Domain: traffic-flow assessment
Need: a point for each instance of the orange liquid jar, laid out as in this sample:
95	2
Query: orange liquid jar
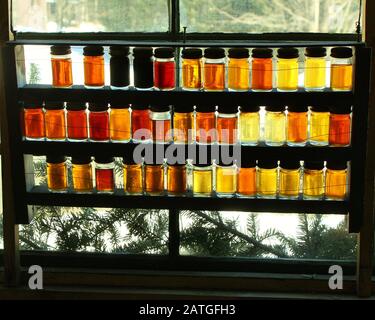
340	126
297	125
33	120
227	124
192	66
93	66
61	62
341	69
246	179
262	69
214	69
55	121
205	124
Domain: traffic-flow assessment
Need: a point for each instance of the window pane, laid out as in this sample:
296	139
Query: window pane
257	16
90	15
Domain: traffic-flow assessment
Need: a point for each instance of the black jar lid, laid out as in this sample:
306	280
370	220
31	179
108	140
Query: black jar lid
143	52
249	163
297	108
315	52
343	109
33	104
75	106
60	50
93	51
238	53
320	108
54	105
55	158
164	53
98	107
128	158
206	108
250	107
314	165
104	159
81	160
119	51
342	52
160	108
140	106
267	164
191	53
201	161
275	107
337	165
290	164
119	106
183	108
263	53
287	53
228	108
214	53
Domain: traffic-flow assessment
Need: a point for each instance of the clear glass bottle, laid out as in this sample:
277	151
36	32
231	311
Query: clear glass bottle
119	123
120	67
275	125
82	174
105	174
161	119
313	180
76	121
249	124
93	67
315	68
55	121
227	124
61	63
57	173
262	69
202	182
214	69
205	124
340	125
297	121
238	69
183	124
246	179
319	126
336	180
164	69
34	124
287	69
192	66
226	180
267	177
290	178
341	69
143	68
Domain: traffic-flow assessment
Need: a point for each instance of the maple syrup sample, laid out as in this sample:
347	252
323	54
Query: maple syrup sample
246	179
226	179
336	180
238	69
249	124
55	120
214	69
287	69
141	123
76	121
154	177
34	120
319	125
160	116
192	66
267	173
183	123
297	120
104	174
342	69
275	125
313	180
57	175
164	69
119	123
99	122
226	124
203	183
133	175
262	69
61	63
93	62
176	179
315	68
290	177
143	68
82	174
340	126
120	67
205	124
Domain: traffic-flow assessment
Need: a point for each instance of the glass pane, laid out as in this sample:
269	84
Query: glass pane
257	16
90	15
266	235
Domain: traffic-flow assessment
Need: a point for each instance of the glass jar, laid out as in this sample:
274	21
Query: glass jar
183	124
176	179
246	179
238	69
226	180
226	124
34	120
249	124
275	124
214	69
132	175
192	65
154	177
341	69
203	183
160	116
319	126
140	123
61	63
119	123
315	68
82	174
105	174
120	67
313	180
76	121
205	124
98	122
340	126
297	120
164	69
55	121
336	180
93	67
267	179
143	68
287	69
57	175
290	178
262	69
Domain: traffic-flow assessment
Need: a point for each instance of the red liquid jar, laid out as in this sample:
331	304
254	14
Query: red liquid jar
76	118
104	174
164	69
141	123
33	120
340	126
98	123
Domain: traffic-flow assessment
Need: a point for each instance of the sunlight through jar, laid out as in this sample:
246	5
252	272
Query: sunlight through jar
315	68
140	123
214	69
34	124
313	180
287	69
341	69
319	126
340	126
262	69
205	124
93	62
238	69
176	179
164	69
275	125
82	174
119	123
267	173
297	121
98	122
76	121
249	124
192	66
61	63
55	121
226	124
105	174
183	123
246	179
290	177
154	176
132	175
336	180
226	179
160	116
203	183
57	174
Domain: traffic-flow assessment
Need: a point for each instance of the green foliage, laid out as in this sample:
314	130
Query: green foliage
34	77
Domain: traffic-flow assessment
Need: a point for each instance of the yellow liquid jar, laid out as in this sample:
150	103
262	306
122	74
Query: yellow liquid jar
238	69
336	180
202	182
290	177
313	180
267	173
192	66
315	68
287	69
214	69
249	125
341	69
226	180
275	126
319	126
119	124
82	175
183	124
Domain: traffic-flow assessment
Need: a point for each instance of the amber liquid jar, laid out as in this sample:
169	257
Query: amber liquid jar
214	69
227	124
55	121
336	180
315	68
290	178
183	124
141	123
120	67
98	122
61	63
133	176
143	68
313	180
57	176
192	66
93	62
319	126
76	121
287	69
262	69
34	121
205	124
160	116
238	69
340	126
275	126
82	174
119	123
297	120
342	69
176	179
267	178
154	177
164	69
246	179
104	174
